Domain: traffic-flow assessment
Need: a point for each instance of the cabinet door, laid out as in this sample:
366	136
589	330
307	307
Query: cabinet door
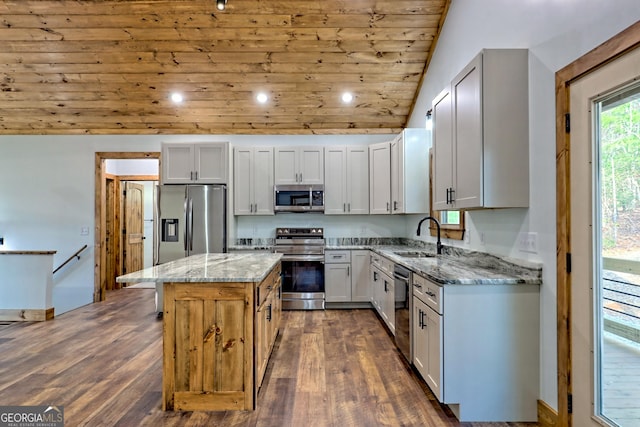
260	333
442	150
434	348
286	166
211	161
311	161
427	346
262	181
360	287
335	185
376	287
277	306
389	303
420	342
467	125
337	282
199	369
380	178
397	175
357	180
242	181
177	163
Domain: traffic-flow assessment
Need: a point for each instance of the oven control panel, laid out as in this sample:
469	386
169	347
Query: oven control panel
317	232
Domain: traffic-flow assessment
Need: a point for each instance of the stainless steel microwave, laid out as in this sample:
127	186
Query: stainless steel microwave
299	198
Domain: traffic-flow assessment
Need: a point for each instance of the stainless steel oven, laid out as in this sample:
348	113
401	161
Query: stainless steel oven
302	252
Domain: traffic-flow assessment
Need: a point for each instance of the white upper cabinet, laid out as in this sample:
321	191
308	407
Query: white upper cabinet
299	165
481	134
253	180
201	163
346	180
410	172
380	178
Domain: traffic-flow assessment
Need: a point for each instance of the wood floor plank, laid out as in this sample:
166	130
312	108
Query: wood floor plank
103	363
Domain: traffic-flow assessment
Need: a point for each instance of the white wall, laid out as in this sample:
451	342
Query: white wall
556	32
47	196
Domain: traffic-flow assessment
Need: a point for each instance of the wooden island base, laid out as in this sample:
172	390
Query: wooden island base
217	340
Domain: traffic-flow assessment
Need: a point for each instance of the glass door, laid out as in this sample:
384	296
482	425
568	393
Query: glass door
605	245
617	293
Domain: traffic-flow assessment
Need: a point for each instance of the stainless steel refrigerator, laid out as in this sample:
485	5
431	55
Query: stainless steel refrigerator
192	219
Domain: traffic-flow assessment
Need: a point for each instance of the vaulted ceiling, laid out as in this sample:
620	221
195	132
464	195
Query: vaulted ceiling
109	67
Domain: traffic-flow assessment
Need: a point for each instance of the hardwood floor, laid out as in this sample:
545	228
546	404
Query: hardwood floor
102	362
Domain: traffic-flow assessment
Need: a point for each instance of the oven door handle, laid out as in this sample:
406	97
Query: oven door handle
303	258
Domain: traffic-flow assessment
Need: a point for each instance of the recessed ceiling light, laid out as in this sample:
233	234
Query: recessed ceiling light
176	97
262	98
220	4
347	97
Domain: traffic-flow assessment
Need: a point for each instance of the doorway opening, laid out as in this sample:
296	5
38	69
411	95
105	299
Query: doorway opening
110	213
581	263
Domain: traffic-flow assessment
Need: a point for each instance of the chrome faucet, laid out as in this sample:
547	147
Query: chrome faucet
439	243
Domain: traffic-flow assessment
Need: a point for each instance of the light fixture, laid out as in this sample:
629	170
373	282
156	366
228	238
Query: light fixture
262	98
176	97
347	97
221	4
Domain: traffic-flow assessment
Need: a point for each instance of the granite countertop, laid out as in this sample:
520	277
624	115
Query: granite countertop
469	268
245	267
454	266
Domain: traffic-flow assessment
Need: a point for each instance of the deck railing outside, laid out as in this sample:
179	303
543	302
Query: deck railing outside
621	297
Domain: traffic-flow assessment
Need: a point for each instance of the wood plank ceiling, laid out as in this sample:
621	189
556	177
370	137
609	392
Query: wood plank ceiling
109	67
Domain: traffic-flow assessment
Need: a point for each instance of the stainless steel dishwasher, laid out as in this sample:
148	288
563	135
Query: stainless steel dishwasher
403	309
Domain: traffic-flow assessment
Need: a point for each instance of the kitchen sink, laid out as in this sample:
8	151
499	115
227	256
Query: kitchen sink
414	254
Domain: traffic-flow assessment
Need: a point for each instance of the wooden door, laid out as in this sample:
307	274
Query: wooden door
111	233
132	234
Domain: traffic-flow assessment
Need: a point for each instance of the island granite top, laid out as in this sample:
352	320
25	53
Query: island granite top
203	268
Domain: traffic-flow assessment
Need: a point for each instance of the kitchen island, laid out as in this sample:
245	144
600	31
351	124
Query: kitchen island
220	321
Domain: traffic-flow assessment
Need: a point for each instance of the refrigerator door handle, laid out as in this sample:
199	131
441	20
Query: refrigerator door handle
186	224
156	226
190	224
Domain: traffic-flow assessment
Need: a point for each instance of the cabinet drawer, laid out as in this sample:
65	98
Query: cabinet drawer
387	265
428	292
263	289
331	257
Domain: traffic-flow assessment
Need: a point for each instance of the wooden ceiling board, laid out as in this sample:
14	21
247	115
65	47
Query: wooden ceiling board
109	67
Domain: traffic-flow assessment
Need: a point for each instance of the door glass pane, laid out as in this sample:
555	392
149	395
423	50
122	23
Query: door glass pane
617	293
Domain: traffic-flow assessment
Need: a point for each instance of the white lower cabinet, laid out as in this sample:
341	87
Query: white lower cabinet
383	290
360	289
477	348
346	275
427	345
